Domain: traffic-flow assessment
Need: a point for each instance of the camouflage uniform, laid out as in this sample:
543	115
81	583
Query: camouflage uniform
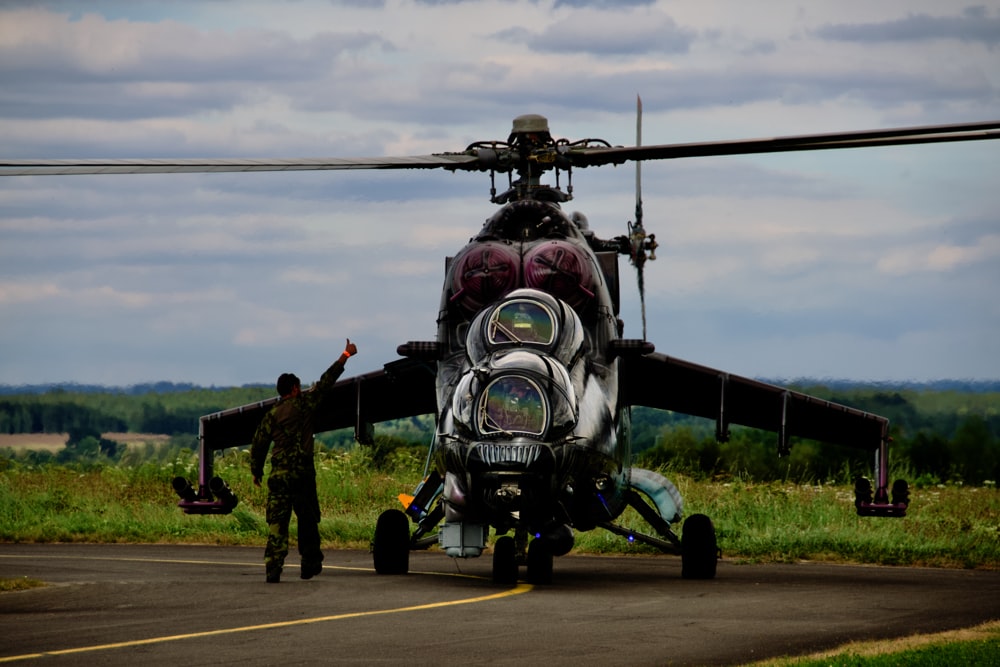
292	484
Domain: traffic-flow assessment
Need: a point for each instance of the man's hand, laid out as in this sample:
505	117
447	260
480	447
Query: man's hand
350	349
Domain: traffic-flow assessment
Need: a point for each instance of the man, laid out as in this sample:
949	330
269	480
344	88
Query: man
292	483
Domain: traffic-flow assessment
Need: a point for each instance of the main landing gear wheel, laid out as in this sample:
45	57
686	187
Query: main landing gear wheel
391	546
539	563
504	561
862	491
699	550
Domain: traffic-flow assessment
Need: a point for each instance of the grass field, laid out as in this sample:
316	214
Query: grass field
947	525
968	647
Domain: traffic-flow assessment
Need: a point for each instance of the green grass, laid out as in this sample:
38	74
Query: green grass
20	584
947	526
969	647
78	503
967	654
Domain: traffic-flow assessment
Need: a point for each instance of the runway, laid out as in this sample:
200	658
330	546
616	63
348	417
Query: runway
201	605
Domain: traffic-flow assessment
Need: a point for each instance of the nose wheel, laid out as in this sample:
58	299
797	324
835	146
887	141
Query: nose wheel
391	545
507	558
539	563
505	561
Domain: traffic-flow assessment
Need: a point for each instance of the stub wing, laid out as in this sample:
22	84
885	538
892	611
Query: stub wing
658	381
402	389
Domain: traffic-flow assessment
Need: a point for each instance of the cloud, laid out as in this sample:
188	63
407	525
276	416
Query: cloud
941	258
603	4
974	24
92	67
605	33
15	292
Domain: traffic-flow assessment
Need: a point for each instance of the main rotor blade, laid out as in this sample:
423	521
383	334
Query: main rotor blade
505	159
210	165
588	157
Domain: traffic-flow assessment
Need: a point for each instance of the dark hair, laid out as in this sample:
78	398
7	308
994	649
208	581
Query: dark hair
287	382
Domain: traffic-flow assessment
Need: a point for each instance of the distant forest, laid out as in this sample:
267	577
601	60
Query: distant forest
942	432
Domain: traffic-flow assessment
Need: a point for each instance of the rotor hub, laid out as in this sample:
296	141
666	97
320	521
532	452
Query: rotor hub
530	129
530	123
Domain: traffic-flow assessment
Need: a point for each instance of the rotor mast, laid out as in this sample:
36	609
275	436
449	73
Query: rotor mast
535	152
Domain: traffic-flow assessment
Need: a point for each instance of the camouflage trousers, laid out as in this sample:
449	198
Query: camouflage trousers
288	493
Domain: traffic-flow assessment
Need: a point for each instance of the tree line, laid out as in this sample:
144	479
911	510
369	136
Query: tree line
168	413
938	435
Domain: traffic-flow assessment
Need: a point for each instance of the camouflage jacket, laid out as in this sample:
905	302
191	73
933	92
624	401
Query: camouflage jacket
289	424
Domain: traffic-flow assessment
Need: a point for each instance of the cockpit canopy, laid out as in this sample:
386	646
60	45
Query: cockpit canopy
516	392
512	404
523	322
527	318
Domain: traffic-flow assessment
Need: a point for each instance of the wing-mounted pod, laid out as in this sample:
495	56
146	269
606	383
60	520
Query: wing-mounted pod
216	431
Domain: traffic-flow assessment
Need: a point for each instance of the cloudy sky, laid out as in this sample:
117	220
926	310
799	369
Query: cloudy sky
873	264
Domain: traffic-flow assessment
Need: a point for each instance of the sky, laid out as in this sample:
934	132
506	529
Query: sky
876	265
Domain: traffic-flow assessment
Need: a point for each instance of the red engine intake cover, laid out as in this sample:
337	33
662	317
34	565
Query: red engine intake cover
484	274
562	270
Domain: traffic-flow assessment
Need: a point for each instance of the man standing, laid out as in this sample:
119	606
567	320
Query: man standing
292	483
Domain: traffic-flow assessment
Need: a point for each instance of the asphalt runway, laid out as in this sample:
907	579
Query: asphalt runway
202	605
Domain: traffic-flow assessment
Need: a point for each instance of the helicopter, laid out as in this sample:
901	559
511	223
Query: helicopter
529	378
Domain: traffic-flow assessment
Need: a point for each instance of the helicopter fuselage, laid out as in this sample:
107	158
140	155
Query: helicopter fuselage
532	433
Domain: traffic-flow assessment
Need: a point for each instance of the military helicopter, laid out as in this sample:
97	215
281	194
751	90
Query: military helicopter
529	378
